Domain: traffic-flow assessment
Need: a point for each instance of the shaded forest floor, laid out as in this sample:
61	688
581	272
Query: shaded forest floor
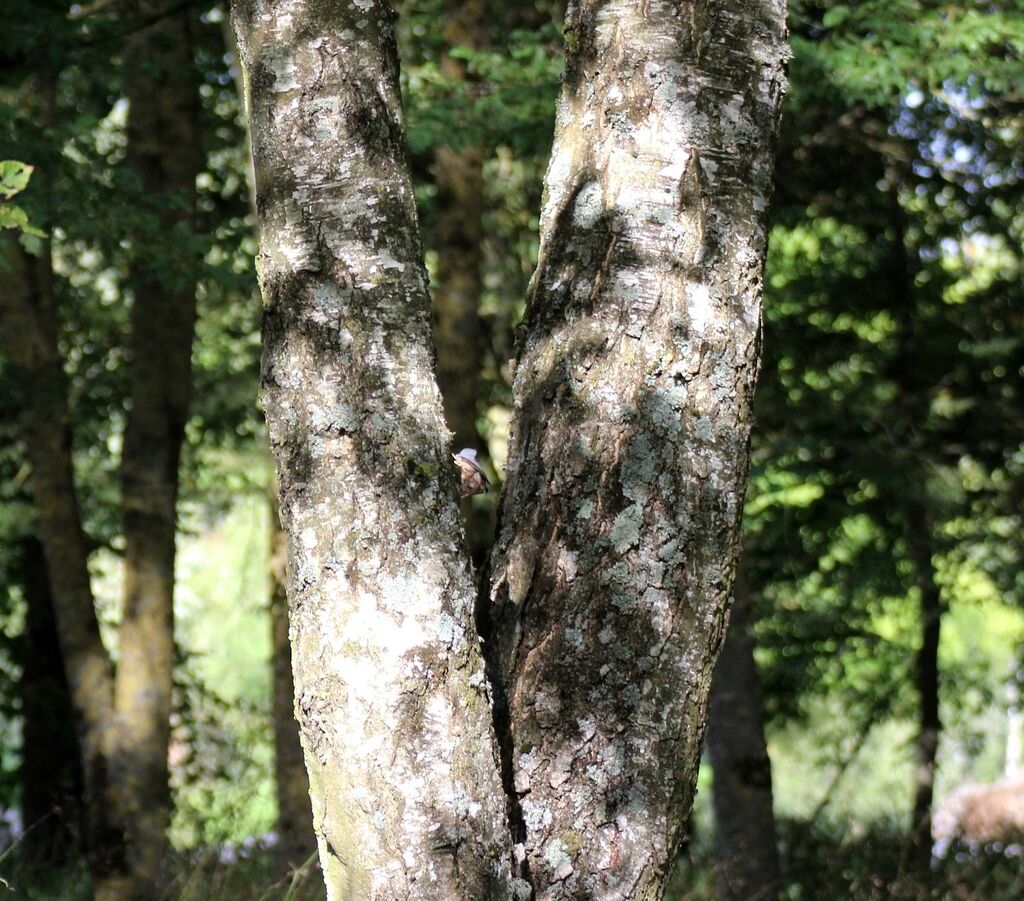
870	865
864	863
200	876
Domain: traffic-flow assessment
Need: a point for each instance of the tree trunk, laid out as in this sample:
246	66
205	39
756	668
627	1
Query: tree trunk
911	494
458	328
294	815
613	567
51	768
458	173
29	324
746	855
926	677
164	152
389	681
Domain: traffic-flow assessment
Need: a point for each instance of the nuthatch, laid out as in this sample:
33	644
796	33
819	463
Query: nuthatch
472	479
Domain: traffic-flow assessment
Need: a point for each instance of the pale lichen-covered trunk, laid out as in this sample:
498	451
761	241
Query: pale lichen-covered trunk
163	152
390	691
746	852
627	469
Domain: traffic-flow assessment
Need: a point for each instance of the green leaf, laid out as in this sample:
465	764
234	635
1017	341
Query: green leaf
14	177
12	216
31	241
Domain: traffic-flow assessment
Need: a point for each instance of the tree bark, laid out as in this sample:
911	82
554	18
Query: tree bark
294	814
746	852
29	325
391	696
613	567
164	152
51	768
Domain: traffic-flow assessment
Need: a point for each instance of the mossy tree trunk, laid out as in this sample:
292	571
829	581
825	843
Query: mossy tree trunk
389	681
627	469
124	719
746	851
28	320
163	151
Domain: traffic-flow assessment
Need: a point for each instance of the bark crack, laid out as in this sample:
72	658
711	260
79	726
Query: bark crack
502	723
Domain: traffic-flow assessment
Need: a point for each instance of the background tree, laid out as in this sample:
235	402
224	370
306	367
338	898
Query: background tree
893	163
746	850
164	152
28	307
458	174
294	825
124	717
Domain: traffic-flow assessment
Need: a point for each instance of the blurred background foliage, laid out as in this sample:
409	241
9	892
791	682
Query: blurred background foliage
887	461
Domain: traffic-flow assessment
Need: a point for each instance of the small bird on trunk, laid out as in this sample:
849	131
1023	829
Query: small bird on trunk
472	479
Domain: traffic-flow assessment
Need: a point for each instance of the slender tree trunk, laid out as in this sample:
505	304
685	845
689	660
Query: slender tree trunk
124	725
746	855
1013	757
29	325
458	173
294	814
912	496
391	697
458	328
163	151
613	568
51	767
926	677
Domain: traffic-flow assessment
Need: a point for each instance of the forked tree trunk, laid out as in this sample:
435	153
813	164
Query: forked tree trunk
628	463
163	151
391	699
628	467
746	853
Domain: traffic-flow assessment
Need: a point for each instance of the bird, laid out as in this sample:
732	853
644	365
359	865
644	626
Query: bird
472	479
